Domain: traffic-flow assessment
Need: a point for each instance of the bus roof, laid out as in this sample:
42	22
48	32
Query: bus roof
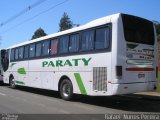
94	23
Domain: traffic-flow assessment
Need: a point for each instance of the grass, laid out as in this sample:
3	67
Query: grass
158	75
158	88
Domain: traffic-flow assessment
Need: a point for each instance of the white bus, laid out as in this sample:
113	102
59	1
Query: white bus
113	55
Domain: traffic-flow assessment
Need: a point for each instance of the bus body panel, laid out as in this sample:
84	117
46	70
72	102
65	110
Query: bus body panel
35	74
132	88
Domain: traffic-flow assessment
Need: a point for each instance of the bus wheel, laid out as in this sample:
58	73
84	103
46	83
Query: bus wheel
12	83
66	89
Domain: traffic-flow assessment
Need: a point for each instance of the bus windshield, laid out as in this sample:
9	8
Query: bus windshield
138	30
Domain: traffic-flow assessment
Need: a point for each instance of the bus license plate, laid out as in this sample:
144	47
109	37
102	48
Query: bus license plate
141	75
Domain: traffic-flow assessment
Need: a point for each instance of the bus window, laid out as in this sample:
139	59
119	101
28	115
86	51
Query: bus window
138	30
74	43
54	46
87	42
16	54
32	51
12	54
102	38
63	44
20	52
26	52
45	48
38	49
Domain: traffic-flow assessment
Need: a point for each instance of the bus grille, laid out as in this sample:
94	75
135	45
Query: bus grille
100	78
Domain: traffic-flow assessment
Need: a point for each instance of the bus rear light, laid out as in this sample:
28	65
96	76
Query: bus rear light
109	82
119	72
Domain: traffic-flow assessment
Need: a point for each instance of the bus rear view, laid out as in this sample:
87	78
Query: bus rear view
136	63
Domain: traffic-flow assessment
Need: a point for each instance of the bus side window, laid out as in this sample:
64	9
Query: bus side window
74	43
45	48
87	42
38	49
102	38
26	52
63	44
12	54
32	50
16	54
20	52
54	46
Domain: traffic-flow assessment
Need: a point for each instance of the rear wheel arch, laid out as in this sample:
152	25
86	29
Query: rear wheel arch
65	88
12	82
61	79
11	77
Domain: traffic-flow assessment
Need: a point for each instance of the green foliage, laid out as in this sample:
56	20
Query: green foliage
158	37
158	87
157	25
65	22
38	33
158	29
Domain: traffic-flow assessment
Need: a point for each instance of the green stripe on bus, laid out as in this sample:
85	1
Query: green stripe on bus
20	82
80	83
21	71
12	64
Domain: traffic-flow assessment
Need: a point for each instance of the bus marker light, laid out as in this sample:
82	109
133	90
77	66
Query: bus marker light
109	82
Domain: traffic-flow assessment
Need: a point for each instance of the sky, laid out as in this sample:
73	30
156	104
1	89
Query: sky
81	12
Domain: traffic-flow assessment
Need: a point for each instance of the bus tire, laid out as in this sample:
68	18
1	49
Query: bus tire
66	90
12	82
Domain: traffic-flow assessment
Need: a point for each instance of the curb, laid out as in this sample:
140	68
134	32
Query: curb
149	96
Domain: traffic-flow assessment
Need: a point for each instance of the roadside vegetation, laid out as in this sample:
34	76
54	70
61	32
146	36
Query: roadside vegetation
157	25
65	24
158	88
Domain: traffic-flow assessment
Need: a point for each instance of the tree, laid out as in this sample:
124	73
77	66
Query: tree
157	25
158	37
38	33
65	22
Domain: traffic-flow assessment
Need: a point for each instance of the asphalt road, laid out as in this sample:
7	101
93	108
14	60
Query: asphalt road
36	101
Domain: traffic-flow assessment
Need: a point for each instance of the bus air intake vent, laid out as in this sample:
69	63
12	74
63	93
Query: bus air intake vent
100	79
